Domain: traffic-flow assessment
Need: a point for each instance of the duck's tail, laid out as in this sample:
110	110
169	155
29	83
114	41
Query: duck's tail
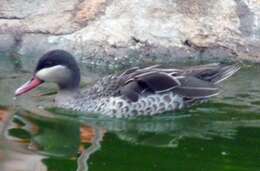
224	73
215	73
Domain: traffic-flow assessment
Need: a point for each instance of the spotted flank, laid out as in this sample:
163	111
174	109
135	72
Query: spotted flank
151	105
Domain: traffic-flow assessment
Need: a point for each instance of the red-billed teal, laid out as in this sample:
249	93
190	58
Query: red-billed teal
136	91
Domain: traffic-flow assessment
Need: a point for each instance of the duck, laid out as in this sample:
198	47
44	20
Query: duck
136	91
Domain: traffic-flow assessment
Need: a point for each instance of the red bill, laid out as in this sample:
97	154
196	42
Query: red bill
28	86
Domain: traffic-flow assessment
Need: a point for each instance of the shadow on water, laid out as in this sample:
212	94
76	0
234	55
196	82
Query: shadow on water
223	134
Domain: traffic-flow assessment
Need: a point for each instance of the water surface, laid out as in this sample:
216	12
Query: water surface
222	134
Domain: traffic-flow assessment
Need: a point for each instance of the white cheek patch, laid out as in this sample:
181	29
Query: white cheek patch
58	73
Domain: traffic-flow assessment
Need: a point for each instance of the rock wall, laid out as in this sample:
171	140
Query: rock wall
127	32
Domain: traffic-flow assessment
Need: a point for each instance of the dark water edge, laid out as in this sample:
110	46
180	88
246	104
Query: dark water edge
222	134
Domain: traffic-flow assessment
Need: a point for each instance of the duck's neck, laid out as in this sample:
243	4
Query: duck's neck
66	95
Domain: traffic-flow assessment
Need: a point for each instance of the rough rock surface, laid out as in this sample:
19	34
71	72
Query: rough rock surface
123	32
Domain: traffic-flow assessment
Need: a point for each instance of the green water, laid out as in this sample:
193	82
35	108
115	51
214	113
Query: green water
223	134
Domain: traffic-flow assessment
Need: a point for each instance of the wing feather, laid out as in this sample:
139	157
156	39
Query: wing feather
148	82
194	83
192	87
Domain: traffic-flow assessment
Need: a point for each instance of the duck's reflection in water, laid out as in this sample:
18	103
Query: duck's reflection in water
35	142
